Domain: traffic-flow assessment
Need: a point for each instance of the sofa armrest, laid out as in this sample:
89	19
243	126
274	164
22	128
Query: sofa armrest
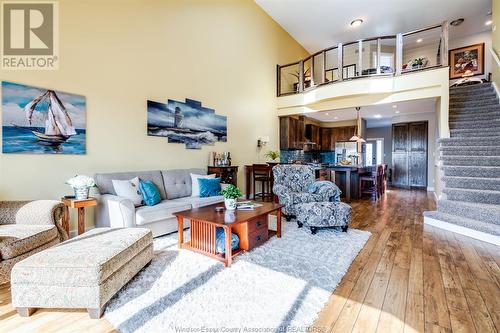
8	210
42	212
115	212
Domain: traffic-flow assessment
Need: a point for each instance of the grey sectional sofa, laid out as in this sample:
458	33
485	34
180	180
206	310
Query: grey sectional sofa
175	191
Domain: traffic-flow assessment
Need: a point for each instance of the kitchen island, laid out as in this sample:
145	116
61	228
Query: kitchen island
347	178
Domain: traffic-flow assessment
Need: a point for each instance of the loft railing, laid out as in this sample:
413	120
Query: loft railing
391	55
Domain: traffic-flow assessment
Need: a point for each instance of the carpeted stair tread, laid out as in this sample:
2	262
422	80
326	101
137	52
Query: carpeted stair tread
488	94
471	210
474	124
475	117
471	160
466	150
472	171
473	133
471	88
474	141
470	195
475	109
480	102
477	183
485	227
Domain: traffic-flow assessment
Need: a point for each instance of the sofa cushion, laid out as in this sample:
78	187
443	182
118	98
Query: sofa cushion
197	202
86	260
161	211
128	189
177	183
105	184
16	239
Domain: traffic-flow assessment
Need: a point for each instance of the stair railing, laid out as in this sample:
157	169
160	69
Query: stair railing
391	55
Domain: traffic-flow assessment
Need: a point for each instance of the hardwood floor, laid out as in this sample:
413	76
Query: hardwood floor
408	278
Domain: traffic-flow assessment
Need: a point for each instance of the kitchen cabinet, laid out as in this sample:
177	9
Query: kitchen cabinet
327	139
313	135
291	133
330	136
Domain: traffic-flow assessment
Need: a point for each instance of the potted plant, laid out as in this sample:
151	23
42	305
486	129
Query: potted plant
273	155
81	185
231	193
417	63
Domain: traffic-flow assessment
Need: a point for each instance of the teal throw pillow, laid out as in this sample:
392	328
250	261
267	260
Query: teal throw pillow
209	187
150	193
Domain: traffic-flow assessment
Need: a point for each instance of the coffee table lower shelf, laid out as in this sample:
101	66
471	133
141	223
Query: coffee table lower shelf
203	234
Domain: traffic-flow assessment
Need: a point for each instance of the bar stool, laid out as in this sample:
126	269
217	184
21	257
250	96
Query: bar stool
373	180
262	174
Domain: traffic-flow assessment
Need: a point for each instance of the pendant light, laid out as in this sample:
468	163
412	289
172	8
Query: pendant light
357	137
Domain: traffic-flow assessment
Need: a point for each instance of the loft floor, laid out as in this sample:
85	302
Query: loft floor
408	278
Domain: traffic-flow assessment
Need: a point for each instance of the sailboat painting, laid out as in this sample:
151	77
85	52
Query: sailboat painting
42	121
186	122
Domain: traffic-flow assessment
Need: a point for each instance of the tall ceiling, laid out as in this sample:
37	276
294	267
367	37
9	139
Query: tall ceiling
318	24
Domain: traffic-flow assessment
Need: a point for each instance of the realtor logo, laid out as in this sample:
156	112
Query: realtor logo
30	35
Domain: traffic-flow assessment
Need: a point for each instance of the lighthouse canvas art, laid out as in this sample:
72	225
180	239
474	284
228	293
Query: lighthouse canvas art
42	121
186	122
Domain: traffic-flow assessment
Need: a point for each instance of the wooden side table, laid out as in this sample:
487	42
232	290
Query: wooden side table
80	205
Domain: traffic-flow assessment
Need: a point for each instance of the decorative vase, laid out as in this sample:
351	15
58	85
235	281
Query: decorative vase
81	193
230	204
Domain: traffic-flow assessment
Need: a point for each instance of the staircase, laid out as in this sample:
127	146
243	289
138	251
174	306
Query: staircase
471	165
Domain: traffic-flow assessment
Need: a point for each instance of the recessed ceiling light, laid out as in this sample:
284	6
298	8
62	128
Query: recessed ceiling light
335	117
489	22
398	111
326	114
378	116
356	23
457	22
419	40
394	106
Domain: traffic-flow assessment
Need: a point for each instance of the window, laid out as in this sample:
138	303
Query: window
386	59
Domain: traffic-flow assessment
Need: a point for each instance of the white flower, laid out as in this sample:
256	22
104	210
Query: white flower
81	181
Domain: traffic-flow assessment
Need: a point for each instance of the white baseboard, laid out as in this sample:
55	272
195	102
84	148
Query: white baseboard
496	89
482	236
430	189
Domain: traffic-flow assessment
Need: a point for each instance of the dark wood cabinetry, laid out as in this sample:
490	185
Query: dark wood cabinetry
409	154
313	135
291	133
294	133
330	136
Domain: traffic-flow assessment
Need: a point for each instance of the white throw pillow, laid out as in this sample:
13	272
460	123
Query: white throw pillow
129	189
195	187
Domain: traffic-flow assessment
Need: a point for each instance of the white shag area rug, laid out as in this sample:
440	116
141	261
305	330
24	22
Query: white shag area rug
279	286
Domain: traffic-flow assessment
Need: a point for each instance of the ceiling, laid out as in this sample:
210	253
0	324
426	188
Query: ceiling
386	111
319	24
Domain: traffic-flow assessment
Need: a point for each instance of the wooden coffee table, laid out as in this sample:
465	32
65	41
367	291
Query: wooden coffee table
251	226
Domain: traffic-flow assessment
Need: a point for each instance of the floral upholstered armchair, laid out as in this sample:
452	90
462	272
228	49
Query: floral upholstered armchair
295	184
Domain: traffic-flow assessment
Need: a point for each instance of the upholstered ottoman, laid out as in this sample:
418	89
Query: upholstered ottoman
83	272
324	214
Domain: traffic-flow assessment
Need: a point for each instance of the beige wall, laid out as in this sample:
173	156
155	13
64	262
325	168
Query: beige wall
120	53
495	40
